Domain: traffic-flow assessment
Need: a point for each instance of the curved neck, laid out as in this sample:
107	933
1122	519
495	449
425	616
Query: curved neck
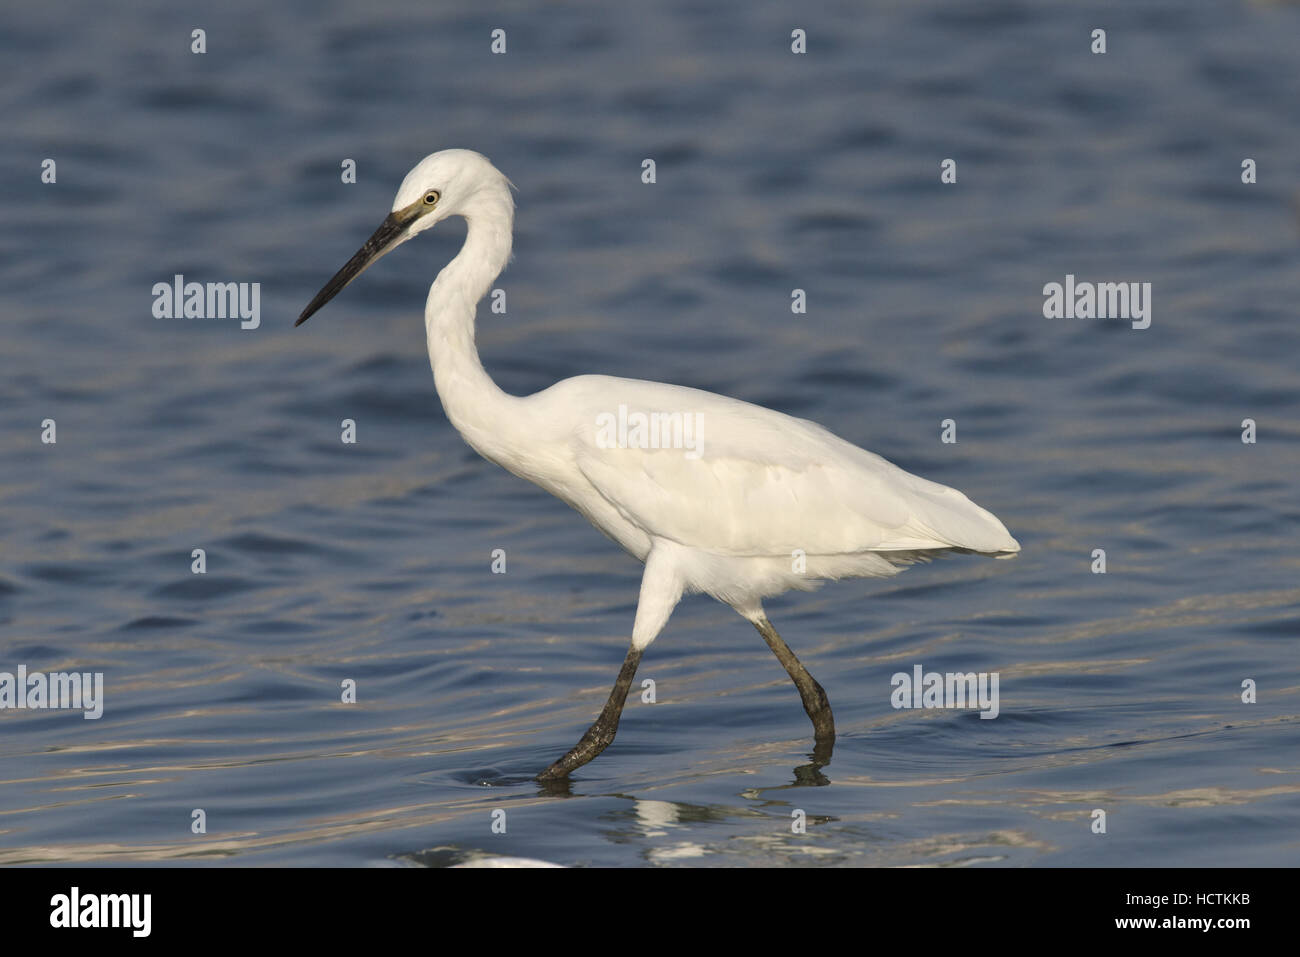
478	409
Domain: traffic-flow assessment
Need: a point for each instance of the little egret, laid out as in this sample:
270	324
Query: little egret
712	494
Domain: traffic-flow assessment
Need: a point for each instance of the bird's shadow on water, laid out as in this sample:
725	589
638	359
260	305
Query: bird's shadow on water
810	775
805	775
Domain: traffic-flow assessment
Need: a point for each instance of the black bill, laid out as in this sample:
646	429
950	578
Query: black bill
390	231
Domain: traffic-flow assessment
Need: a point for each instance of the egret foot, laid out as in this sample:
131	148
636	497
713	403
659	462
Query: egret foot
601	733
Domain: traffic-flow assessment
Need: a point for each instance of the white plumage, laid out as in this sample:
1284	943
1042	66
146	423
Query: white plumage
762	503
765	490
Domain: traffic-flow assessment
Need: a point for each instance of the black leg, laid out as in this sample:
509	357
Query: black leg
600	734
814	698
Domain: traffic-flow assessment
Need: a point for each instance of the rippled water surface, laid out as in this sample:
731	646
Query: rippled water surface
371	562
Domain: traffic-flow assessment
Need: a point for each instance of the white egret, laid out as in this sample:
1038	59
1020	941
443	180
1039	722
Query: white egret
713	494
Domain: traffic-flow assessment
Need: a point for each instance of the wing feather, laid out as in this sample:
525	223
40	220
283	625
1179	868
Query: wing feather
760	482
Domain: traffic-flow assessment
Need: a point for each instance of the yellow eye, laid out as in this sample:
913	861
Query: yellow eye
431	197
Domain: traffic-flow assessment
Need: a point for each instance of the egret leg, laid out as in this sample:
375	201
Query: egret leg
814	698
601	733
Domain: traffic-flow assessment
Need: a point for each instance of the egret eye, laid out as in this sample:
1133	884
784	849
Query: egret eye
431	197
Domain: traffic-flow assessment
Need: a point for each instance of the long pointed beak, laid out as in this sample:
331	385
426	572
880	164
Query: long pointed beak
390	234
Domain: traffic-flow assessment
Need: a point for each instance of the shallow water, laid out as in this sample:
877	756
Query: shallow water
371	562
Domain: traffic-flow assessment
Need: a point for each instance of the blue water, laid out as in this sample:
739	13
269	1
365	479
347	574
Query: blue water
775	171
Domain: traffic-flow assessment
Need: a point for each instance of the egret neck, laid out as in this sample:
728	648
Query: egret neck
489	419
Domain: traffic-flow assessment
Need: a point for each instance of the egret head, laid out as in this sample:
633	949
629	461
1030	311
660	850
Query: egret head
448	183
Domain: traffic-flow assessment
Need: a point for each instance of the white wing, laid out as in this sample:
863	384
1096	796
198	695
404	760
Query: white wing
759	483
